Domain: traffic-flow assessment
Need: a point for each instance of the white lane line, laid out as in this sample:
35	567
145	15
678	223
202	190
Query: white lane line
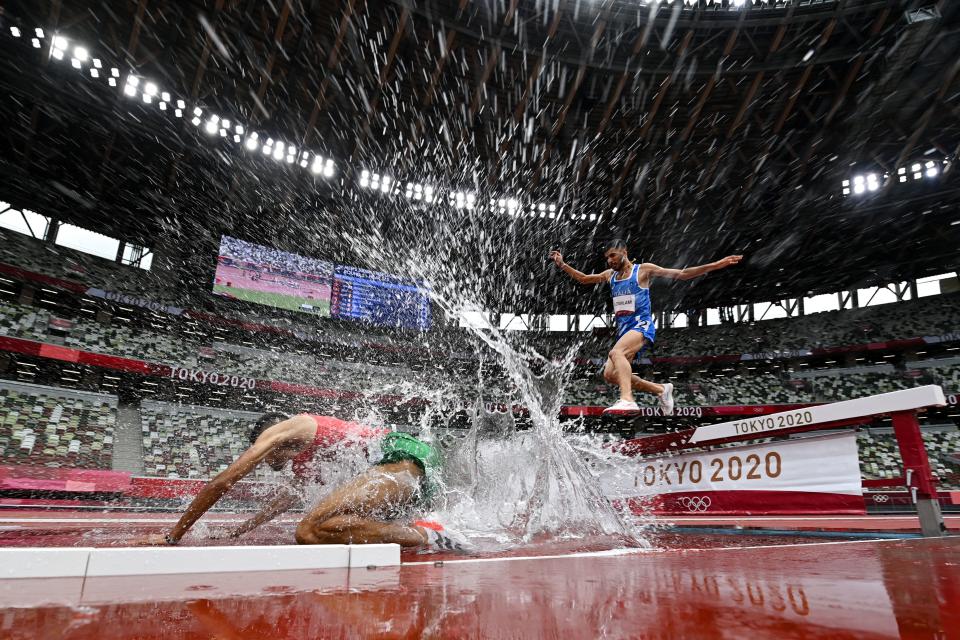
650	552
117	521
786	518
582	554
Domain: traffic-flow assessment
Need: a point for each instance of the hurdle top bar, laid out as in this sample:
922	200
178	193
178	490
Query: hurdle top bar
794	420
845	410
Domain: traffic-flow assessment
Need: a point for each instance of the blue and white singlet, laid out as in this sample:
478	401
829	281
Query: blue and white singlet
631	305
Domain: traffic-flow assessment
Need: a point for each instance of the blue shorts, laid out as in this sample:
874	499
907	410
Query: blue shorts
644	325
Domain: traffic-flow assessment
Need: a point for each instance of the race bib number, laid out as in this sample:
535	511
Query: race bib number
624	305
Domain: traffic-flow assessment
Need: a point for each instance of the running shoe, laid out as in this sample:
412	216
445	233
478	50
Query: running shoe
621	407
666	399
439	538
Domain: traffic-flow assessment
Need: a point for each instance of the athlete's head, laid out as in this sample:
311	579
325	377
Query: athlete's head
615	252
279	456
266	421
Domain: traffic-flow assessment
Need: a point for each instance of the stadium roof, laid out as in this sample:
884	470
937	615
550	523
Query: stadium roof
694	129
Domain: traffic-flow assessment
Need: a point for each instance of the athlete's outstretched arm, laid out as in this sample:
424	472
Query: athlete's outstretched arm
223	482
286	499
579	276
689	273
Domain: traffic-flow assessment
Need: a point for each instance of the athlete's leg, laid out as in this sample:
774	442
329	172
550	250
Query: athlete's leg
350	529
620	356
638	383
357	510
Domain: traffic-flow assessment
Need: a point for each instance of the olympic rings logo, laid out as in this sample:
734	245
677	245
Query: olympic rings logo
696	503
881	497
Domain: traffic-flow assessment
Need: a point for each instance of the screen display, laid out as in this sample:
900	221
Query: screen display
255	273
379	298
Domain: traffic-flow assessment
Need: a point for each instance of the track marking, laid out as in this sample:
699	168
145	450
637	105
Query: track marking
116	521
649	552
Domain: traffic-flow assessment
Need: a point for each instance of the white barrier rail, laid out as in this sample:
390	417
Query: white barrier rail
763	426
89	562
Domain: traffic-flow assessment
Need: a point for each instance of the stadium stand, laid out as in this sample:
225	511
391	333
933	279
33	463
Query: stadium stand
181	441
880	457
44	426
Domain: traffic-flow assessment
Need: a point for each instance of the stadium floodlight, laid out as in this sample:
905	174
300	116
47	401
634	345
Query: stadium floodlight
15	32
61	43
211	127
165	96
81	54
181	104
94	73
197	111
238	129
845	183
36	43
196	121
150	89
162	105
267	148
385	184
130	89
278	151
859	184
112	82
115	72
147	98
39	32
872	182
328	169
57	53
97	64
178	113
75	63
428	194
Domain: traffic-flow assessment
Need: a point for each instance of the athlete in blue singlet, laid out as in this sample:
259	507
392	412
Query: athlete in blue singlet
630	288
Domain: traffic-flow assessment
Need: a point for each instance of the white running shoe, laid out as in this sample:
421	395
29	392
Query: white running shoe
439	538
666	399
621	406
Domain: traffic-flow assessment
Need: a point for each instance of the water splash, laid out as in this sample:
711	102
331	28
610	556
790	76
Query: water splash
500	481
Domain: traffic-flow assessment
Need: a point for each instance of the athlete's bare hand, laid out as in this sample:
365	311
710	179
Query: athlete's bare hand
224	534
152	540
729	261
557	258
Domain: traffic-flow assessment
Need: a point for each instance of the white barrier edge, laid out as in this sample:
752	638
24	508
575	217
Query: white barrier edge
761	426
89	562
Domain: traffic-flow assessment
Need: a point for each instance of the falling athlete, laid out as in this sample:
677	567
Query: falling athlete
630	288
370	508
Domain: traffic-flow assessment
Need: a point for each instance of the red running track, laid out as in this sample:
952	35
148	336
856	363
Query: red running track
686	586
